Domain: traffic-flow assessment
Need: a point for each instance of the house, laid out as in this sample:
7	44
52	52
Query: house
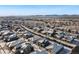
50	32
28	35
40	52
60	34
44	32
26	48
43	43
14	43
55	48
69	38
5	32
11	37
36	29
34	39
75	41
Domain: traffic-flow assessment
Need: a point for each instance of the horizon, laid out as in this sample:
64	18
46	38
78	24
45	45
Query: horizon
28	10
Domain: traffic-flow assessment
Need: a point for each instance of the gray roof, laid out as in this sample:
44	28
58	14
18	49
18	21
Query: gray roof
57	48
40	52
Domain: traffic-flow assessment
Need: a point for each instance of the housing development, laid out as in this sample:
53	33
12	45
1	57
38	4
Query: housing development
39	34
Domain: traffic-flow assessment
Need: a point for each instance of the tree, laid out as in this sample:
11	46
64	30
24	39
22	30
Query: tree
75	50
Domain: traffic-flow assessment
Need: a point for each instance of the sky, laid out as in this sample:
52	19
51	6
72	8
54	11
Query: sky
13	10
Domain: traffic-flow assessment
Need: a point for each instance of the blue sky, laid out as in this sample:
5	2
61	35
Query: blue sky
9	10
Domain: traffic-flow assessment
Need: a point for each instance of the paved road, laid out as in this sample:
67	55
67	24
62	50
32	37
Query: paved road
53	39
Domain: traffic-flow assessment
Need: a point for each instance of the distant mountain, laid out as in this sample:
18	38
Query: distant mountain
36	17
